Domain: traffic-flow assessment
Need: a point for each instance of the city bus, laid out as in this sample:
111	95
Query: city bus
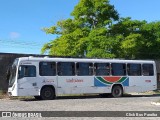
45	78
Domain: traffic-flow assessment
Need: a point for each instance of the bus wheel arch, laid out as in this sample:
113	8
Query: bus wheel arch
47	92
117	90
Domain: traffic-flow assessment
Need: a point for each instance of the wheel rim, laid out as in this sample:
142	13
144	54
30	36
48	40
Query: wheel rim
47	93
117	92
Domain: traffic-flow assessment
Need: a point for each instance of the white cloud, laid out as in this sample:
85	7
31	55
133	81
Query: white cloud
14	35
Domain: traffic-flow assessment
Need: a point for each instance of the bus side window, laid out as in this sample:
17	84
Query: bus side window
26	71
66	68
118	69
84	69
47	68
102	68
134	69
147	69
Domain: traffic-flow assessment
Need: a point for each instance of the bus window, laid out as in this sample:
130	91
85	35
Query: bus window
84	69
66	68
26	71
47	68
102	68
147	69
134	69
118	69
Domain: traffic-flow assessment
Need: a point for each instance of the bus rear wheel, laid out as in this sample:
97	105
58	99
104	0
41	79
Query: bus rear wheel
47	93
117	91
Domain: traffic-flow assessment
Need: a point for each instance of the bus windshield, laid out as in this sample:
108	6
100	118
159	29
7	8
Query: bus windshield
12	73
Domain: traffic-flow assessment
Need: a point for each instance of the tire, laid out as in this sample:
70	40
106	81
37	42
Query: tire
47	93
117	91
38	97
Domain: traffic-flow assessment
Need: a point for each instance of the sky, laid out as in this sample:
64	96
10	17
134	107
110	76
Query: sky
22	21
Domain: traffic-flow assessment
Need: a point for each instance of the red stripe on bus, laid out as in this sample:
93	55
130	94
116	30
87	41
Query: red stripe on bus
112	79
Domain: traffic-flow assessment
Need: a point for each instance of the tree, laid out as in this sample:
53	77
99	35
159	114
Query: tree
150	48
95	13
136	39
86	33
129	37
97	31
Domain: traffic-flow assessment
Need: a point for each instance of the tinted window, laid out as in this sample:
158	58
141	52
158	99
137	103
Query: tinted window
66	68
102	68
27	71
118	69
134	69
84	69
148	69
47	68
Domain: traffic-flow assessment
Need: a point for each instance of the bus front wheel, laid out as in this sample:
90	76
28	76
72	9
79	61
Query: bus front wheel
47	93
117	91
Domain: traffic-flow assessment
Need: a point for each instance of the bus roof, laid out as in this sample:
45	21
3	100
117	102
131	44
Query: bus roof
83	60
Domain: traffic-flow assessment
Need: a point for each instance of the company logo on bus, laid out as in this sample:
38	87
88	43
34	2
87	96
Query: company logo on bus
74	80
48	81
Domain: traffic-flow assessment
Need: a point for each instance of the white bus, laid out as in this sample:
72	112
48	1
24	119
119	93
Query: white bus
45	78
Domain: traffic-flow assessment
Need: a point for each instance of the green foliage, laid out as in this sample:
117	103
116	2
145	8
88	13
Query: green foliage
96	31
130	45
85	34
94	13
137	39
99	45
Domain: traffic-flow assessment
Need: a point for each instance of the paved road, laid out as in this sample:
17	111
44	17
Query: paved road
88	103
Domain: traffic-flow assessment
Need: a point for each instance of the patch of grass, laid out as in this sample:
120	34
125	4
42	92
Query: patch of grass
152	92
156	91
21	98
3	94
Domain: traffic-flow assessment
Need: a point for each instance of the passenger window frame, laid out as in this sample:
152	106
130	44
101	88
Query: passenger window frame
149	72
114	72
105	69
90	69
24	71
61	72
54	72
134	72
